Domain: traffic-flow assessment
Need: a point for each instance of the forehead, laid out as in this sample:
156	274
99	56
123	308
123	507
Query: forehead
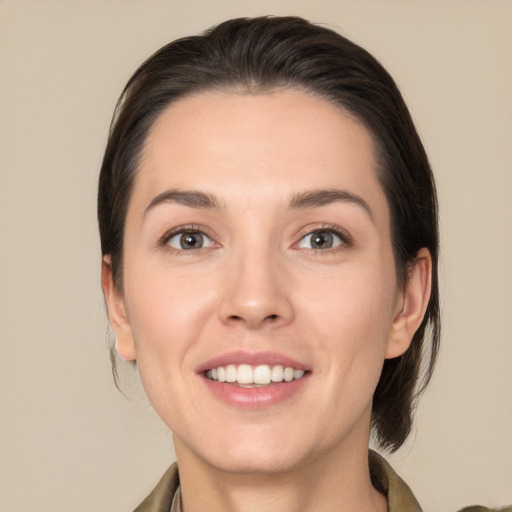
242	145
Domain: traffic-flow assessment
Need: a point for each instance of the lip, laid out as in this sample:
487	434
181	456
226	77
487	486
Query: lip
258	397
254	398
253	359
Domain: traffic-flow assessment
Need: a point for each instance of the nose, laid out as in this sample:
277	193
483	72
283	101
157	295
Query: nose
256	292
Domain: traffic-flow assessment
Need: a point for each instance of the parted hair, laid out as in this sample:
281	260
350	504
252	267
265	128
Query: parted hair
262	54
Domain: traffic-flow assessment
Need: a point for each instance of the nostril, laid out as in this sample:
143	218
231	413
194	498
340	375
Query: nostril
272	317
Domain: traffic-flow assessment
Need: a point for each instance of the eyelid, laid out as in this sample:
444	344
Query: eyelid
187	228
342	234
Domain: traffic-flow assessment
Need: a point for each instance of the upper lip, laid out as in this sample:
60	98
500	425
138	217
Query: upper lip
253	359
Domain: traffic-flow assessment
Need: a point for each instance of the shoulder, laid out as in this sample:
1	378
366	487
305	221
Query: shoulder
479	508
399	495
160	498
384	478
387	481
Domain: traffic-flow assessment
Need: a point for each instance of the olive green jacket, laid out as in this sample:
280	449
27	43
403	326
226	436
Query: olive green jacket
384	478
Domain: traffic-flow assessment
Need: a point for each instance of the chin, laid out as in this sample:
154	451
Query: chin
251	463
245	453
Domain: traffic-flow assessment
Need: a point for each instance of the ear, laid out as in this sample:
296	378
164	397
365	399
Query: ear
411	306
114	299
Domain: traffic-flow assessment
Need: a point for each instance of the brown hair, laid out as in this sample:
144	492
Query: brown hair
260	54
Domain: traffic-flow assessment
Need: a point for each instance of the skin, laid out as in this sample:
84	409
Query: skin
257	285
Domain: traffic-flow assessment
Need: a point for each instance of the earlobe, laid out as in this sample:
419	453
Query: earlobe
412	306
114	300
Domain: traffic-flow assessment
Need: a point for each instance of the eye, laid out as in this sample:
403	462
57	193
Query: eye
321	239
189	240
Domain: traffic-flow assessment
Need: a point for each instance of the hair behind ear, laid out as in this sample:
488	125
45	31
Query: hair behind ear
397	392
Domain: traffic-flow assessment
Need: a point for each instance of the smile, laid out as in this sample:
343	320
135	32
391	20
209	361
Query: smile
254	376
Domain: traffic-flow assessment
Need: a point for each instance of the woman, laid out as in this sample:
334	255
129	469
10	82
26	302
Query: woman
268	223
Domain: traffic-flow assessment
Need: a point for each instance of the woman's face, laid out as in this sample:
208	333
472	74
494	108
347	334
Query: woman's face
257	247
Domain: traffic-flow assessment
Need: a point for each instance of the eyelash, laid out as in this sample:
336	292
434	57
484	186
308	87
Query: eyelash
344	237
181	230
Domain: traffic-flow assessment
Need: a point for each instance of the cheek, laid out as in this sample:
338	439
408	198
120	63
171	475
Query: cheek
165	312
166	316
352	312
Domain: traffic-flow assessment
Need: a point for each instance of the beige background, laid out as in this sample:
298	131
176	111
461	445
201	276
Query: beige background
70	441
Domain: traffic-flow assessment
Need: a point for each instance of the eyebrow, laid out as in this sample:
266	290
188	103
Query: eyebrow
303	200
322	197
191	198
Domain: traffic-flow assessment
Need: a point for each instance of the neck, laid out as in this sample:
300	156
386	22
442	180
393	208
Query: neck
330	483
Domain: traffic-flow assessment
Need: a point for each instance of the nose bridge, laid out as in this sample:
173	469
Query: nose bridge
256	291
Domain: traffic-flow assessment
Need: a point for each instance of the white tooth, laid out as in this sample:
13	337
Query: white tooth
288	374
230	373
244	374
262	374
277	373
209	374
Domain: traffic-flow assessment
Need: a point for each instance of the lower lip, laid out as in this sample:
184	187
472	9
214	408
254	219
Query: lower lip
254	398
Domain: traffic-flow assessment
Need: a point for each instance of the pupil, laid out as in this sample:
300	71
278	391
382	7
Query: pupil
191	241
322	240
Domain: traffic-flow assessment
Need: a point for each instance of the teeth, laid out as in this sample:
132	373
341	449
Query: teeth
262	374
277	374
297	374
231	373
247	375
288	374
244	374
